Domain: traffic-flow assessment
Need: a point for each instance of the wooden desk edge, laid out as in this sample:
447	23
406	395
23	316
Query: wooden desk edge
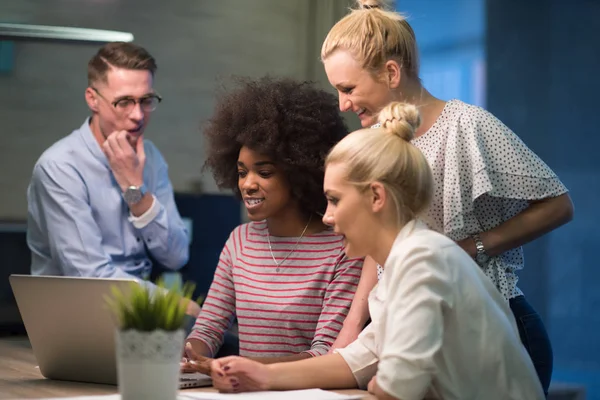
20	378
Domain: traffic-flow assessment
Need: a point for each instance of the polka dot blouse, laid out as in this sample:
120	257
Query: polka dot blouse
484	175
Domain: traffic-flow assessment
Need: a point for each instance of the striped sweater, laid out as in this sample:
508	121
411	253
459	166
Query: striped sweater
301	308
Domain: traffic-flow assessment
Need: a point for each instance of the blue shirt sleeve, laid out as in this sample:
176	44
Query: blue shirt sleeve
166	236
75	240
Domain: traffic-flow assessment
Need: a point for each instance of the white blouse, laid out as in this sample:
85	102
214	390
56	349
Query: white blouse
440	328
484	175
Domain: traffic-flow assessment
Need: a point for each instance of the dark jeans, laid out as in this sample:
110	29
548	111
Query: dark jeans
535	338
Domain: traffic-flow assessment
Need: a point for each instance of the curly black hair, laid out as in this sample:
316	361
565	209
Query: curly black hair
292	122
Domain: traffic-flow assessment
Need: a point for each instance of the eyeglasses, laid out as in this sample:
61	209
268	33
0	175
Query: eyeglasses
126	105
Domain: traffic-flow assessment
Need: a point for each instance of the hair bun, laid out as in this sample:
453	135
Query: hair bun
369	4
400	119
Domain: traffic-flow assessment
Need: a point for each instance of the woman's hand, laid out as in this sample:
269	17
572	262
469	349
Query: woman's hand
371	386
194	362
238	374
380	394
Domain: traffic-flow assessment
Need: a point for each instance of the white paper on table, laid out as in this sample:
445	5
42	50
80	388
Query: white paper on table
309	394
98	397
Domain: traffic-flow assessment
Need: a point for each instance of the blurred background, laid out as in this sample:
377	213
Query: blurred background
534	64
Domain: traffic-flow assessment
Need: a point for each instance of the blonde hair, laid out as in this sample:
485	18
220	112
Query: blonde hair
386	155
373	35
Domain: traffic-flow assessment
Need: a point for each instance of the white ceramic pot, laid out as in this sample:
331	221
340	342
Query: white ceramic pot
148	364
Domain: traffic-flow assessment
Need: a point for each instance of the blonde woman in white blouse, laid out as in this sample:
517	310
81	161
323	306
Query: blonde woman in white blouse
439	329
492	194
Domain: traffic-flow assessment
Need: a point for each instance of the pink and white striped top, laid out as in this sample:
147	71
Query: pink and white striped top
301	308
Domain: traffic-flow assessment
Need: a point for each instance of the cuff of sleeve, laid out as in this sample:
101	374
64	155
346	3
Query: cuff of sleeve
401	380
361	361
317	351
147	217
195	335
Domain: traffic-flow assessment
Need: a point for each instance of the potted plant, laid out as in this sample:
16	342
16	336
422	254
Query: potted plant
149	338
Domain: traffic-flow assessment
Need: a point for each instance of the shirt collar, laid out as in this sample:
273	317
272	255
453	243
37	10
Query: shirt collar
408	230
86	134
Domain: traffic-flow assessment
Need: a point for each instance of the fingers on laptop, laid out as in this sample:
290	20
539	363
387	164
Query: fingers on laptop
190	353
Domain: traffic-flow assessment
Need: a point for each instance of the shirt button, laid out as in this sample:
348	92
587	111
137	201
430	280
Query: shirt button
149	240
138	239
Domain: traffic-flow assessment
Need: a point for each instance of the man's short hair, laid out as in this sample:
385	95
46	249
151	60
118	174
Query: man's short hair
119	55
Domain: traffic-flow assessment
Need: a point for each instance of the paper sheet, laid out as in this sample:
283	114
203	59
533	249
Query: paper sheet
309	394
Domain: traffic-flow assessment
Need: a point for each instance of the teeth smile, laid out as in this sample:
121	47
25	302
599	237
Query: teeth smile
362	110
253	202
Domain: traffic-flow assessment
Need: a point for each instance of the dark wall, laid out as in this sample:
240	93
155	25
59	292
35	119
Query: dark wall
213	218
543	61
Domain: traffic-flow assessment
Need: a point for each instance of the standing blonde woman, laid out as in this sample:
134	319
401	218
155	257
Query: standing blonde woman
439	329
492	193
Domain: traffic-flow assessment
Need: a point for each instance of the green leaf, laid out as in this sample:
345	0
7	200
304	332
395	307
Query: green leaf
139	309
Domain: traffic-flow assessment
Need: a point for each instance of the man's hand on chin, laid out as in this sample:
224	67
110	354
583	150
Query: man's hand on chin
126	162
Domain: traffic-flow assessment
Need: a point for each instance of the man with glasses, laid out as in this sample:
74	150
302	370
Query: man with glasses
100	202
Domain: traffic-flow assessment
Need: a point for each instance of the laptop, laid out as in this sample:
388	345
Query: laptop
71	330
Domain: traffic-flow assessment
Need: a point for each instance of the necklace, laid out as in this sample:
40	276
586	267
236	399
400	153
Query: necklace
278	264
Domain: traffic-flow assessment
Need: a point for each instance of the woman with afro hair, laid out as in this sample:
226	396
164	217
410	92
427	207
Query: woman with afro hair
285	274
